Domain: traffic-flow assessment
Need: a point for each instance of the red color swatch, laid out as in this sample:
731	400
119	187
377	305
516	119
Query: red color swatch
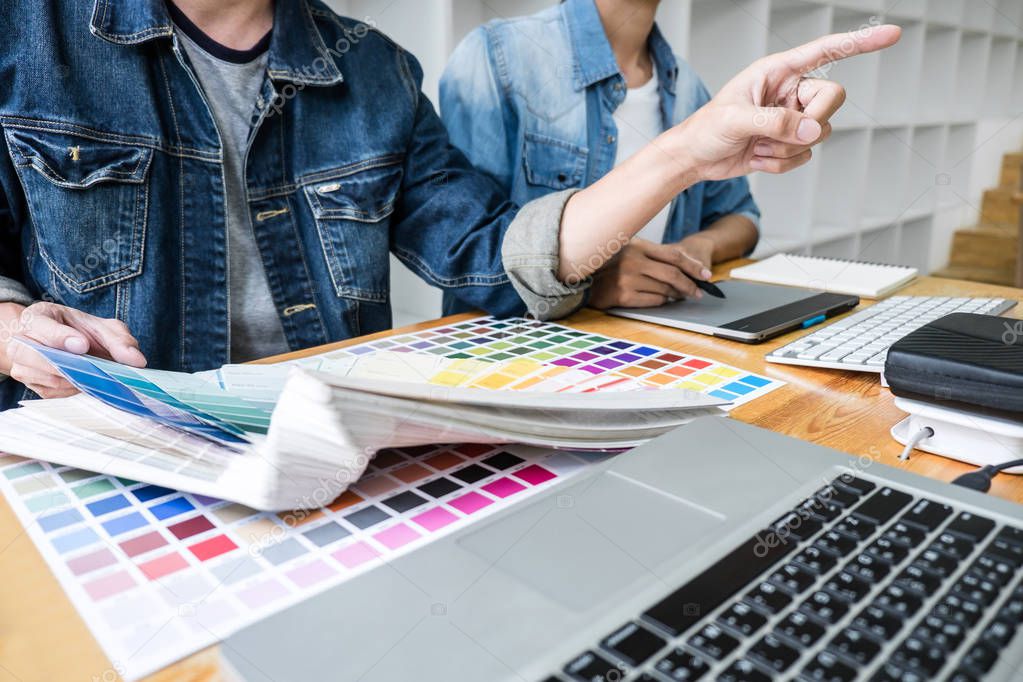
214	547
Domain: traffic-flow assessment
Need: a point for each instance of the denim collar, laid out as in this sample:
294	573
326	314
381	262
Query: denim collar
595	60
297	51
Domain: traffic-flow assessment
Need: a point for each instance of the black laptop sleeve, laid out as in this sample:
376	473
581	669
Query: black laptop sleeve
962	360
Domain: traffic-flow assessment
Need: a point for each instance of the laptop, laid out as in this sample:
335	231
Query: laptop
750	312
718	551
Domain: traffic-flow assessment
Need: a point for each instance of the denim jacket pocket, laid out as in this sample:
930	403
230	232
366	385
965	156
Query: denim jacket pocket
351	210
552	163
88	201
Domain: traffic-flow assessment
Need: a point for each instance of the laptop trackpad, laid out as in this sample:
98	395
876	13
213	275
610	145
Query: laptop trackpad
594	539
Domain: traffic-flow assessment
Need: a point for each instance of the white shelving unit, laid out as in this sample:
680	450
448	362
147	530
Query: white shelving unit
896	179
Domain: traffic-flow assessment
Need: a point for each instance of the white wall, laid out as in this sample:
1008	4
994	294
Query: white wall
920	138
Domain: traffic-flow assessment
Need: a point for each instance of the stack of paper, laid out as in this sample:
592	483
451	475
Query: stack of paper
287	437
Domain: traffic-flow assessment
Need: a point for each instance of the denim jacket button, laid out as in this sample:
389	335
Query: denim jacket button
610	139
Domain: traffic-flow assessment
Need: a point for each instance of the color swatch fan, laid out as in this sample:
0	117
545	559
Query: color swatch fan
271	437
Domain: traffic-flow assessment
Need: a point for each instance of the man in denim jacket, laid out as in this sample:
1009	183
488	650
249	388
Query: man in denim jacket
557	99
124	189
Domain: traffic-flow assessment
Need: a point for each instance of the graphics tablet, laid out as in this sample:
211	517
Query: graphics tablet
750	313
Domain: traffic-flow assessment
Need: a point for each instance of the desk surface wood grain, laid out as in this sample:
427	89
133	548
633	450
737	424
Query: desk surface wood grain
42	637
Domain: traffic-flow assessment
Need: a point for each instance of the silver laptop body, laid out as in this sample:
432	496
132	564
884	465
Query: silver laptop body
526	592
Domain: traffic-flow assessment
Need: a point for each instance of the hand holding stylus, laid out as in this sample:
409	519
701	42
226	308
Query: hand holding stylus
647	274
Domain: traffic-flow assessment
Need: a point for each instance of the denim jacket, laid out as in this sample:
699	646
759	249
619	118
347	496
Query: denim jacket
112	195
531	102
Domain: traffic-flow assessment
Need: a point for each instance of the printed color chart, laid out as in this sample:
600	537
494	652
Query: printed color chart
544	351
157	574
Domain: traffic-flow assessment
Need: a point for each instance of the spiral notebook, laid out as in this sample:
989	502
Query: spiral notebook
868	280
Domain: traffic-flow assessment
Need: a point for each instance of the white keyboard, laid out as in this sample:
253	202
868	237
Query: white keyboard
860	342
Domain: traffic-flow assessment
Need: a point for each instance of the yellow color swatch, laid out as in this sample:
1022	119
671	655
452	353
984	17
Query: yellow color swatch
460	372
494	381
550	372
708	379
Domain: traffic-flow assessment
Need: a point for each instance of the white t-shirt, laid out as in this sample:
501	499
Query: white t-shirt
638	118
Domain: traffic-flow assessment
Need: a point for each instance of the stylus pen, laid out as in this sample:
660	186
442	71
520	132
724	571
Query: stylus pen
709	288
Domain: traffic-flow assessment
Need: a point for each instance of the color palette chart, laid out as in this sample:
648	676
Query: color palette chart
158	575
545	356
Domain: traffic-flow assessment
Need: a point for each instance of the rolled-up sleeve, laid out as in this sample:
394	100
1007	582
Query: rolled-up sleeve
13	291
531	258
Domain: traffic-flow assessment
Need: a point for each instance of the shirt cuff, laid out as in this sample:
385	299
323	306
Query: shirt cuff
13	291
530	252
752	216
755	219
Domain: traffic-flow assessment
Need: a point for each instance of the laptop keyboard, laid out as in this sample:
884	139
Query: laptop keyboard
856	582
861	341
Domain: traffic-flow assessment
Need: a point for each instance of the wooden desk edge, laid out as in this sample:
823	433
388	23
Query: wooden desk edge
821	406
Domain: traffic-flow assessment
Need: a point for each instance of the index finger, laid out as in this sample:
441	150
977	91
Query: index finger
832	48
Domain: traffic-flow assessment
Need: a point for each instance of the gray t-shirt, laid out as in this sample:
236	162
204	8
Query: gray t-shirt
231	90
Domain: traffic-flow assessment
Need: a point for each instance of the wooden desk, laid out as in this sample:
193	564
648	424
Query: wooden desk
42	637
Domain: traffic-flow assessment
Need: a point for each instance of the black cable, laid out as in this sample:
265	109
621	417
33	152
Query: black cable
980	479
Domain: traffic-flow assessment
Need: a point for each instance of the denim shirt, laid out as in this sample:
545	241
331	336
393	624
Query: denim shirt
531	102
112	188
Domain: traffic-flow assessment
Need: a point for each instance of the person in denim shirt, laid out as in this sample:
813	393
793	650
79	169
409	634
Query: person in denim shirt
550	101
114	177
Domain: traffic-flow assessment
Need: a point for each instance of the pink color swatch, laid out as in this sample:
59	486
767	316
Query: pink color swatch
165	565
470	503
92	561
355	554
396	536
110	585
143	543
311	573
503	487
534	474
435	518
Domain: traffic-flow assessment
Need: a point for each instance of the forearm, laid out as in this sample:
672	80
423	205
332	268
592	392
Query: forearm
10	320
730	237
600	220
